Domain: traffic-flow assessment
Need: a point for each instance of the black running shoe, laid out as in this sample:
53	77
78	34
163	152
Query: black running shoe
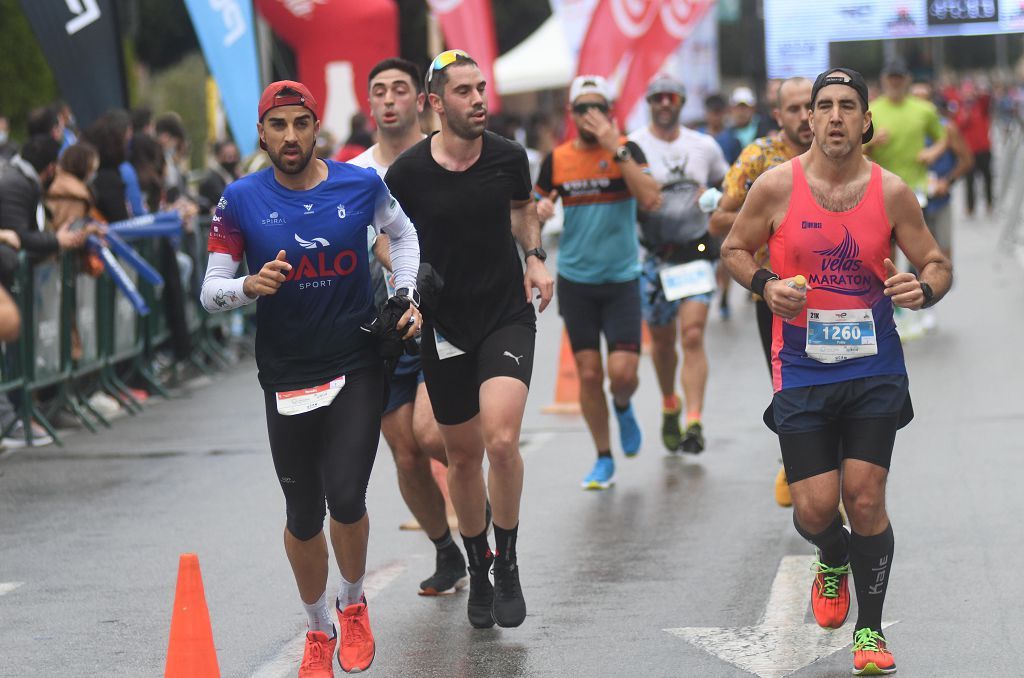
509	607
449	574
481	597
693	438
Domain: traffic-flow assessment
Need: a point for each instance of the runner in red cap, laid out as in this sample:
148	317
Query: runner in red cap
323	380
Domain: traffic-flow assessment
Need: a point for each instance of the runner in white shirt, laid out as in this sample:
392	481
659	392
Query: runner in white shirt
677	280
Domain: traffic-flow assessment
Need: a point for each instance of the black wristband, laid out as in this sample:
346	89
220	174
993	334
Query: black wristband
761	279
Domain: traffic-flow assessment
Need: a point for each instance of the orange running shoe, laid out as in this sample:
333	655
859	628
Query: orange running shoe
870	655
356	649
830	594
318	659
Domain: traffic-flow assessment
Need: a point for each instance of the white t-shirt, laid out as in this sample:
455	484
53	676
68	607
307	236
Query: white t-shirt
366	159
684	168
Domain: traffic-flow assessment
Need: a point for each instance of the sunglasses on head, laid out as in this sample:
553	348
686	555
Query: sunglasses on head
581	109
672	98
444	60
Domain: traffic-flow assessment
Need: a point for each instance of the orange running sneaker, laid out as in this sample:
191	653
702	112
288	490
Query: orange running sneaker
830	594
870	655
318	659
356	649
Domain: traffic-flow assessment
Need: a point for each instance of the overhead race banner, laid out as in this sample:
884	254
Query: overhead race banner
226	32
793	50
81	43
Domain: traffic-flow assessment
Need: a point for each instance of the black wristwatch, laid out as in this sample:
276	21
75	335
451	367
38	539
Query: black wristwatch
536	252
622	153
929	293
411	294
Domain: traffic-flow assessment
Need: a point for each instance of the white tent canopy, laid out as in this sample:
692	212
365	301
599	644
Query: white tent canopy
542	61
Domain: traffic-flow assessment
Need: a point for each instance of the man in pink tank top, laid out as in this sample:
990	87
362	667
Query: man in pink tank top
841	387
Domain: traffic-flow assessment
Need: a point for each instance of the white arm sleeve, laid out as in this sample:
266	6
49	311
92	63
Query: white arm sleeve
405	246
221	290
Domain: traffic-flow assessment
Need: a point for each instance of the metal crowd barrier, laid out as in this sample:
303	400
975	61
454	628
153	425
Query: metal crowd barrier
56	300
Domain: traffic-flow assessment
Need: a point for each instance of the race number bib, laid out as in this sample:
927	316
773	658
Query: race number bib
834	336
308	399
445	348
687	280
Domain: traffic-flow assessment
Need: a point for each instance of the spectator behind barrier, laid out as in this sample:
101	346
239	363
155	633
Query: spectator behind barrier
7	147
147	157
221	170
109	134
69	197
22	183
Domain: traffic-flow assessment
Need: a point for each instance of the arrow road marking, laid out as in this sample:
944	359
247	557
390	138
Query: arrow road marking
287	660
781	643
8	586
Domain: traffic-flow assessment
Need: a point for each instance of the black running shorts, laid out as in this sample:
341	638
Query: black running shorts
612	309
328	452
819	426
454	383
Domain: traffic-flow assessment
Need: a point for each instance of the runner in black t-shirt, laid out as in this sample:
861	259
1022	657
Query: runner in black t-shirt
468	192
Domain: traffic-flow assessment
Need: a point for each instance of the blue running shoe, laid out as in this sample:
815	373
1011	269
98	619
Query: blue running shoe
629	431
602	476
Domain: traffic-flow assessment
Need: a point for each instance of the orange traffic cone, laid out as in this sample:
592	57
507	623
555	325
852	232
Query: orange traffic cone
190	652
567	383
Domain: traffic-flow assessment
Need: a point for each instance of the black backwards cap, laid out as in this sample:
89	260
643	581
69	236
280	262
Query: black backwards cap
850	78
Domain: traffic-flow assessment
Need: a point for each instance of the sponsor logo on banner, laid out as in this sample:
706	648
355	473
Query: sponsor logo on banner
632	17
234	20
86	12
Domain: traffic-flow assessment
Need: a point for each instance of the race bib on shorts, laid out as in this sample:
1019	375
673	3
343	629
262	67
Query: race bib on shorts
445	348
834	336
687	280
305	400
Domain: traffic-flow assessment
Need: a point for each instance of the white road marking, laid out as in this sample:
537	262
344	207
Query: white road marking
286	662
781	643
8	586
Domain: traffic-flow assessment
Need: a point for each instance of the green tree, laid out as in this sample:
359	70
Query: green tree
26	78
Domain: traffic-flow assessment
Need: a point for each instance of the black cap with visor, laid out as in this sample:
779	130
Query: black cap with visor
851	79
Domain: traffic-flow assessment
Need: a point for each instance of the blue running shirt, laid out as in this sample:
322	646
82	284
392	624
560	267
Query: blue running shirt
308	332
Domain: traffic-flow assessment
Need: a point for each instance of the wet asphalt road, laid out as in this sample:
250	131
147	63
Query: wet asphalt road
93	531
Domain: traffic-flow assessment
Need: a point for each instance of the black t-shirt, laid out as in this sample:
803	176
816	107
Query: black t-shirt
465	230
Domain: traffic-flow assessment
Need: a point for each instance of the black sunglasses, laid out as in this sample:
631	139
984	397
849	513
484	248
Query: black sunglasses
581	109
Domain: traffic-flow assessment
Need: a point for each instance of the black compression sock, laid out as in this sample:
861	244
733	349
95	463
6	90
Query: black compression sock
445	541
871	561
604	453
478	551
505	543
833	541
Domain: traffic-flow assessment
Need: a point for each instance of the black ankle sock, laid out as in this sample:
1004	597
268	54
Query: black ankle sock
871	561
478	552
445	541
620	408
604	453
505	543
833	541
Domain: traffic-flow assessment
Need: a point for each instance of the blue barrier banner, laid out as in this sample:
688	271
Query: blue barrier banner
227	35
148	226
118	275
134	259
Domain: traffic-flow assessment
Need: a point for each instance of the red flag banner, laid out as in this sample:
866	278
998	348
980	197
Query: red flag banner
469	25
676	20
615	27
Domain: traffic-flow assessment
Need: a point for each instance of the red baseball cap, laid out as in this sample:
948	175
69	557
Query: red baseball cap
272	97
